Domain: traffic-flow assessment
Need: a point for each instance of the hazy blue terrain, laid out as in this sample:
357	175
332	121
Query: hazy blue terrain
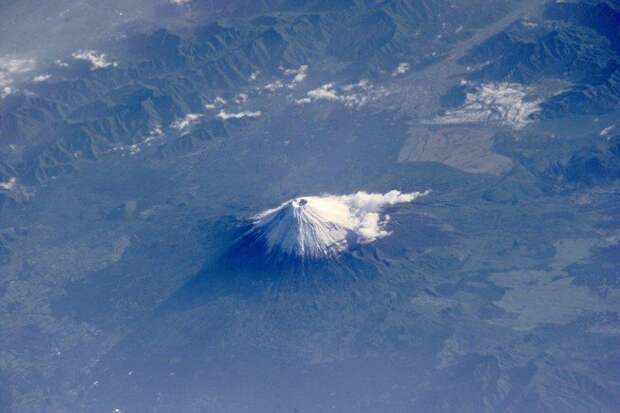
139	138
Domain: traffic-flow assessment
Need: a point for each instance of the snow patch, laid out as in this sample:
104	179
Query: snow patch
505	103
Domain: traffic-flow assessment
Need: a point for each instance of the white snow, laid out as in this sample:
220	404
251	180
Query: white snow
504	103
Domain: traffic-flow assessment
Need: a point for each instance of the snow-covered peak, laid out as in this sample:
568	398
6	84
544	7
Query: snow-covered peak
323	226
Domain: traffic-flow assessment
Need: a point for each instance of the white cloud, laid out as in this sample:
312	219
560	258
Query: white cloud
273	86
10	64
608	129
97	60
363	84
364	211
41	78
254	75
60	63
155	134
186	121
505	103
402	68
241	98
238	115
5	91
180	2
320	226
9	185
299	74
352	95
325	92
529	24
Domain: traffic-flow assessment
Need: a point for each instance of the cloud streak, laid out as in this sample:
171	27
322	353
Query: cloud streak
238	115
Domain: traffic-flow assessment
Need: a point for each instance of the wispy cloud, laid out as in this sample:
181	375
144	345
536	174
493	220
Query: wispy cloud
97	60
180	2
12	67
505	103
238	115
10	64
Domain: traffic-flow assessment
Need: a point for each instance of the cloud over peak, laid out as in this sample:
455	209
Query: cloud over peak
323	226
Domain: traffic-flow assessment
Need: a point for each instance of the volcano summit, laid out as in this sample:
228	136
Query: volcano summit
324	226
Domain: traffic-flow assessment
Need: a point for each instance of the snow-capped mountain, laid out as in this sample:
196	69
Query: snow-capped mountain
324	226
